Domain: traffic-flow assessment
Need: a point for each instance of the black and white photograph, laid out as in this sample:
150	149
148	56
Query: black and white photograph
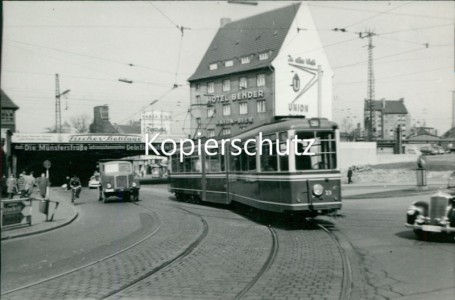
232	149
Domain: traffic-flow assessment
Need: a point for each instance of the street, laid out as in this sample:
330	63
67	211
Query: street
387	260
162	248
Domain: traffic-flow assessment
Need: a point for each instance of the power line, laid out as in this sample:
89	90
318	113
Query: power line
377	15
90	56
373	11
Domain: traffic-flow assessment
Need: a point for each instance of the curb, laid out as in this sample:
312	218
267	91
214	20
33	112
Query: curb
66	222
383	195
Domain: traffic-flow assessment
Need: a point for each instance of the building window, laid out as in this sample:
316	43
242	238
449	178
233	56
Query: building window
210	111
261	106
261	80
226	109
210	132
198	86
213	66
198	122
226	131
211	87
245	60
263	56
229	63
198	99
243	82
226	85
243	108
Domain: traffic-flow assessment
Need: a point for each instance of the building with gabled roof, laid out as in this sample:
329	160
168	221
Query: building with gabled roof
259	68
8	112
387	116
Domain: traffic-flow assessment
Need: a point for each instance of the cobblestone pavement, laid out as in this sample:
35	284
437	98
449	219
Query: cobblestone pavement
307	264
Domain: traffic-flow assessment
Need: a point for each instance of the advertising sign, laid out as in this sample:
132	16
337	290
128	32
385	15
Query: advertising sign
303	76
156	122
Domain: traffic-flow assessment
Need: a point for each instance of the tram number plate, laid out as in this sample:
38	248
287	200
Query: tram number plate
431	228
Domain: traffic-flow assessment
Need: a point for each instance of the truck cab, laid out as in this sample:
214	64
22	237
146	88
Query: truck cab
118	179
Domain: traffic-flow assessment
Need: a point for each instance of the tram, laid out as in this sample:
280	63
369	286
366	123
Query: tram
284	177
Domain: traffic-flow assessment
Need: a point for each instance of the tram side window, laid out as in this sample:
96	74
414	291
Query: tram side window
269	160
284	159
213	163
248	162
187	164
175	163
196	164
234	162
324	148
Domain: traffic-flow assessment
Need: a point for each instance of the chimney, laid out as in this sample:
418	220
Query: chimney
401	100
224	21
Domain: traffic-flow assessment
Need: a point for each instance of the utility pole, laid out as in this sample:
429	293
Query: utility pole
370	84
58	111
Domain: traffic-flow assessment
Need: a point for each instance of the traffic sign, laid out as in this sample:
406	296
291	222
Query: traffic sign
12	212
47	164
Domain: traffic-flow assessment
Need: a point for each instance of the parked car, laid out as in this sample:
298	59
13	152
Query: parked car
436	215
428	151
413	151
118	179
94	182
439	149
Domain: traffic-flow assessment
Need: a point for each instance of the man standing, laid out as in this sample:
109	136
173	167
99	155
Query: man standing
350	176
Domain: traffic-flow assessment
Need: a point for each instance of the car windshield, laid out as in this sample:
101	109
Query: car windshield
120	167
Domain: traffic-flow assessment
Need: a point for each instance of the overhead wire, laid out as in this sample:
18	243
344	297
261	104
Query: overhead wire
377	15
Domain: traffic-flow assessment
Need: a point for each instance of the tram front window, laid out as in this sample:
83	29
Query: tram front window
324	149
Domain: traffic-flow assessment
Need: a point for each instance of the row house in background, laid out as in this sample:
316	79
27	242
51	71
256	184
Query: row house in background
259	68
387	116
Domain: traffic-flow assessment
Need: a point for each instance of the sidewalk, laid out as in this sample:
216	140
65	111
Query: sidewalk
388	189
64	215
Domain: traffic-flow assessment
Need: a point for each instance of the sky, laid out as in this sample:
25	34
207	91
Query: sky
91	45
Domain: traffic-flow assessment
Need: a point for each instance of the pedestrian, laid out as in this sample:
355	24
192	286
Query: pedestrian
350	176
43	184
29	184
11	184
21	184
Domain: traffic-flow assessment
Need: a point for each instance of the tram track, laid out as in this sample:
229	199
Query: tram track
163	265
346	285
91	263
266	266
179	257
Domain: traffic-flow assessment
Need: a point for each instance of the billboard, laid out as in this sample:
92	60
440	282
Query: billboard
156	121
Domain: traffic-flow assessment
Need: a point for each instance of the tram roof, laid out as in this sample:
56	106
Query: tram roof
288	124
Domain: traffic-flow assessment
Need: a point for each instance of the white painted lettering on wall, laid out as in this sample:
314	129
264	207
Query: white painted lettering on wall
246	95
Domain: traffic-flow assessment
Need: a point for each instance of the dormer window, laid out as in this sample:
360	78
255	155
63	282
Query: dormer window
245	60
229	63
263	56
213	66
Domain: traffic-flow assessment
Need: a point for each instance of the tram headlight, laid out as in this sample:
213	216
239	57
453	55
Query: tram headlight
108	185
318	189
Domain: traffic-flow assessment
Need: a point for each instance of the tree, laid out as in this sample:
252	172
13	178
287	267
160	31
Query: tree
347	128
80	123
